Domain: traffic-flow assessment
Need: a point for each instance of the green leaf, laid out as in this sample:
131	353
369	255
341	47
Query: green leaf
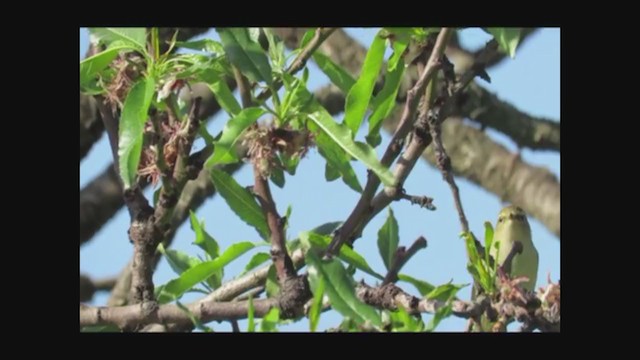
340	289
134	115
224	95
346	254
423	287
338	160
384	103
206	45
479	272
240	200
400	45
277	177
442	313
225	150
255	261
271	284
338	75
402	321
316	306
330	173
388	240
100	328
341	135
201	272
251	325
270	320
507	38
135	37
488	240
358	97
178	260
445	292
194	320
205	241
91	66
245	54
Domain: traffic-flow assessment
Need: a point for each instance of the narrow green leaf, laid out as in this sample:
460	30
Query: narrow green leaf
101	328
476	260
340	289
277	177
423	287
136	37
240	200
488	239
400	44
225	150
346	254
178	260
176	287
205	241
402	321
338	76
270	320
271	284
91	66
442	313
331	174
224	95
194	320
246	54
206	45
388	239
384	103
251	325
341	135
338	160
316	306
445	292
255	261
134	115
507	38
358	97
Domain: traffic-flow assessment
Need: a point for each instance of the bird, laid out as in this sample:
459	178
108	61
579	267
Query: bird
512	226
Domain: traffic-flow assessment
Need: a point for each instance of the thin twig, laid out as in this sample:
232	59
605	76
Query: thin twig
401	257
418	144
299	62
362	208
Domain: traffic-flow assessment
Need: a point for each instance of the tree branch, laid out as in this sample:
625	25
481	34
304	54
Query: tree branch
363	206
530	312
401	257
133	316
89	287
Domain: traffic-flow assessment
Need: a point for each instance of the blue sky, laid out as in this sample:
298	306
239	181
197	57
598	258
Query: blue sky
531	82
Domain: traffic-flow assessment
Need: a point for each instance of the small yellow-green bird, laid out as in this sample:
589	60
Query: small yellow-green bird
513	226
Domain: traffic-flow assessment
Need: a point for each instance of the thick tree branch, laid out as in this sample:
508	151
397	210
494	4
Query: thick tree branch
529	310
89	287
91	126
99	201
133	316
485	108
